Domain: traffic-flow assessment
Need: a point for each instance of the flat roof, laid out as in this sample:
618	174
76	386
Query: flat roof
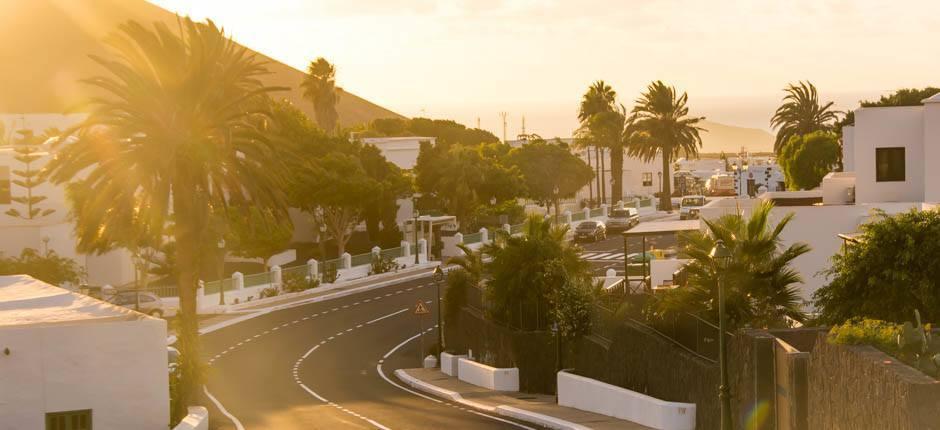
658	227
26	301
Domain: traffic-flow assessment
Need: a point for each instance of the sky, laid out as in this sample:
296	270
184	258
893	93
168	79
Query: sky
469	59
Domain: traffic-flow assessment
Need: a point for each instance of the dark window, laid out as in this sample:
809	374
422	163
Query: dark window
647	179
5	185
70	420
889	164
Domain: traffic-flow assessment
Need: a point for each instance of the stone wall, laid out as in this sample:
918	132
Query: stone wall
859	387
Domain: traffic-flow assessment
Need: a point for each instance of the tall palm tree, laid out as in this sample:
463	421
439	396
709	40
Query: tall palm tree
661	125
599	98
801	114
759	281
611	130
174	134
320	88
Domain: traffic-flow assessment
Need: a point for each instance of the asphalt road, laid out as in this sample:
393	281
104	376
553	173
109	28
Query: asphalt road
609	253
330	365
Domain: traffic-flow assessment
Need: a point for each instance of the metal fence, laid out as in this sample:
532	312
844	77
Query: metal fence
393	252
646	202
577	216
361	259
297	271
596	212
516	228
473	238
257	279
163	290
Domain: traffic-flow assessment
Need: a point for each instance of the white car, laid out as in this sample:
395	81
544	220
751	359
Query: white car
690	206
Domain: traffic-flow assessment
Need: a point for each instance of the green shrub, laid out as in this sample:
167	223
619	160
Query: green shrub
382	264
295	282
271	291
880	334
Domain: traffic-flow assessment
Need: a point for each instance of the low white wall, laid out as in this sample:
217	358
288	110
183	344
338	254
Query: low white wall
594	396
485	376
449	363
197	419
662	270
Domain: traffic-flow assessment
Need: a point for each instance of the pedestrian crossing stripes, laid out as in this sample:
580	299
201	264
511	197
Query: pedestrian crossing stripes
602	256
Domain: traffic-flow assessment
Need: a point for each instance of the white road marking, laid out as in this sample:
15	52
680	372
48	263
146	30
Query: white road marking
235	421
387	316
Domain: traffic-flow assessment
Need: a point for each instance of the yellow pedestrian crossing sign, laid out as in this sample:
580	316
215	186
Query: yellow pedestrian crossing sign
421	309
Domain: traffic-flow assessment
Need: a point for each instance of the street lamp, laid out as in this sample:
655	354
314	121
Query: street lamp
720	254
660	175
438	278
221	246
555	195
414	226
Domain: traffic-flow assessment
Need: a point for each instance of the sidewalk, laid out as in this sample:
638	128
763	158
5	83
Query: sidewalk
538	409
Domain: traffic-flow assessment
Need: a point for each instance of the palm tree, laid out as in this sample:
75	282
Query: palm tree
527	273
320	88
759	281
611	130
467	274
173	134
661	125
801	114
599	98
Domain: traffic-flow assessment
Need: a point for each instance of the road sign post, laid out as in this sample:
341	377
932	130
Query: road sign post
421	310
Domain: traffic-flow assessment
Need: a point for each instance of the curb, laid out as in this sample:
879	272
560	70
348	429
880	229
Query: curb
502	410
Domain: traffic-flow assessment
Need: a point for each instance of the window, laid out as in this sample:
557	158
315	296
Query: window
5	185
889	164
71	420
648	179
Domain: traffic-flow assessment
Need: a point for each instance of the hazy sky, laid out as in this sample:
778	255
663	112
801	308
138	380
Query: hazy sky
473	58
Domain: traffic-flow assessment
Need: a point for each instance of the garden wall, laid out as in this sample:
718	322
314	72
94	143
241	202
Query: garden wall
859	387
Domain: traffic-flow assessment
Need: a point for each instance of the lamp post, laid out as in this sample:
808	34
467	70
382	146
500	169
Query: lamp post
221	246
438	278
555	201
720	254
414	226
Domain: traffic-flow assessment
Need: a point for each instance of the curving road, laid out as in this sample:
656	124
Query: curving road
330	365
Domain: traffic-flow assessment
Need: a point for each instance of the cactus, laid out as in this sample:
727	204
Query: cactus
919	344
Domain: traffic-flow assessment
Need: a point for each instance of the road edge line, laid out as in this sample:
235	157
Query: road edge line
218	404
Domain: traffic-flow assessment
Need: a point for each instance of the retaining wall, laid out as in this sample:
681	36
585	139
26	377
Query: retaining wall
485	376
595	396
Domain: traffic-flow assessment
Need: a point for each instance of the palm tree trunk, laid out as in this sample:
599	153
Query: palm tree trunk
590	188
665	197
603	179
597	172
187	261
616	173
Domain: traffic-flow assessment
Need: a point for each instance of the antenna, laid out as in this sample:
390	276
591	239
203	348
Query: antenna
478	123
523	125
503	116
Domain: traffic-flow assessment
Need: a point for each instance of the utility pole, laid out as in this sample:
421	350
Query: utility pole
503	116
523	125
478	123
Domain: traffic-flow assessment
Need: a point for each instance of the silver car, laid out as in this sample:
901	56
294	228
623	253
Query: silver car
622	219
140	301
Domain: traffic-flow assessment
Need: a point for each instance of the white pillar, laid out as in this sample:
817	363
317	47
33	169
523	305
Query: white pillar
313	268
604	210
376	251
587	213
508	228
611	273
484	235
620	204
346	262
405	248
422	250
276	276
200	295
636	203
567	217
238	280
458	237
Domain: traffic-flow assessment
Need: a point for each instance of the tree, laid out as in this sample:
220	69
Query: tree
26	148
758	281
445	130
335	190
806	159
174	131
550	171
599	98
468	273
534	276
887	272
381	211
662	126
611	130
801	114
254	232
48	267
320	88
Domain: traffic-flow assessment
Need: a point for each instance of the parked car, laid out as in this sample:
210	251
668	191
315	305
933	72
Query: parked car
140	301
623	219
590	231
690	206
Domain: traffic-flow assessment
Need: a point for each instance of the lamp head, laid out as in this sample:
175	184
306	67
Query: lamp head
720	252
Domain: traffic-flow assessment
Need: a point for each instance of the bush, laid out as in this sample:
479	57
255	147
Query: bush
330	274
269	292
48	267
294	283
880	334
176	407
382	264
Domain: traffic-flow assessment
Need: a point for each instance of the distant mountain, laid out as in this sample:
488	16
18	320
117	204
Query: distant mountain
730	139
47	43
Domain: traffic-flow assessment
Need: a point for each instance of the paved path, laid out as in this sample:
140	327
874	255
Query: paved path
330	365
537	403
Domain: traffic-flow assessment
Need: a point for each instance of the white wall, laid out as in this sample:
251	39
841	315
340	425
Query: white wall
662	270
595	396
931	160
116	369
836	187
848	148
485	376
885	127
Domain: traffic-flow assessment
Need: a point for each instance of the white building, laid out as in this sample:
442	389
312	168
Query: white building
66	356
889	156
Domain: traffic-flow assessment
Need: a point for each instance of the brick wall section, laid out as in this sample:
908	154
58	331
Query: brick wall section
859	387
